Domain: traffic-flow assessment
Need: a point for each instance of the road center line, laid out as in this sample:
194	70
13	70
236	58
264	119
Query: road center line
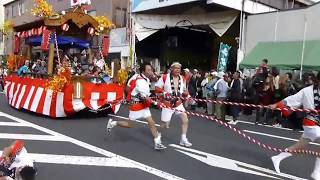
31	137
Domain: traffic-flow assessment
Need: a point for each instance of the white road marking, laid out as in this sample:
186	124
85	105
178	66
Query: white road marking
274	136
15	124
230	164
246	122
118	159
31	137
77	160
121	117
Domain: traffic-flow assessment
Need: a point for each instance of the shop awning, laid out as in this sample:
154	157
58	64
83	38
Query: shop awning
285	55
148	24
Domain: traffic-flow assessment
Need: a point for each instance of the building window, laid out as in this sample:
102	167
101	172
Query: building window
120	17
7	14
1	36
21	8
14	11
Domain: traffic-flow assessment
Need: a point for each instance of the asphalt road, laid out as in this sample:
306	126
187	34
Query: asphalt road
79	148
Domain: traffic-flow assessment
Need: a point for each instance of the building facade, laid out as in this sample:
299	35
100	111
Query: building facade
19	12
2	18
187	38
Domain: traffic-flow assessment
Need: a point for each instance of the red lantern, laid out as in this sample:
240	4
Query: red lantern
91	31
16	45
65	27
34	32
105	46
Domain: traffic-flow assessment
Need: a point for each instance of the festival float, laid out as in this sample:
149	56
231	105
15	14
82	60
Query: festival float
61	94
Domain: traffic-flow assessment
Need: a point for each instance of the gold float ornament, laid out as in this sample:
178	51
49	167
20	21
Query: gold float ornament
58	82
42	9
7	27
11	63
122	76
104	24
107	70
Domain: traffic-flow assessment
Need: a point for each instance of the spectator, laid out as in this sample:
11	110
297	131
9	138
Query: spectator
192	88
236	95
210	92
263	68
266	96
23	70
221	88
43	68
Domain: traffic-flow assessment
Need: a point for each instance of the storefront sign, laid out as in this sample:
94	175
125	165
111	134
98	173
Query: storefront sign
143	5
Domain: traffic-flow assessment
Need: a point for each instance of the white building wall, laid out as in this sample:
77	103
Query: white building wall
282	26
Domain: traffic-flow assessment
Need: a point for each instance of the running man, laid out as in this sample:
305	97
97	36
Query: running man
308	98
172	87
138	95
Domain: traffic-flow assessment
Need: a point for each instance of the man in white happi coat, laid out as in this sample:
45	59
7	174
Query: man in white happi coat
15	163
308	98
172	90
138	96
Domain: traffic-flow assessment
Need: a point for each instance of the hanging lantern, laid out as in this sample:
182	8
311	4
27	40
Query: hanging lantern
105	46
34	32
19	34
16	45
65	27
91	30
45	40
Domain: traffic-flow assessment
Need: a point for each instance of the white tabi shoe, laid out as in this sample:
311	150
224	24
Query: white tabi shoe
110	125
159	146
185	143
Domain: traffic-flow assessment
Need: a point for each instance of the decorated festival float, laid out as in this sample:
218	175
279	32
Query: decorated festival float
62	92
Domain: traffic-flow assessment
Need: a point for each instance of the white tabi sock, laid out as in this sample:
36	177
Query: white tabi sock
114	123
184	137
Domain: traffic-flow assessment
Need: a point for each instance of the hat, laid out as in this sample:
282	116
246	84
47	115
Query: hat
214	73
221	74
186	69
195	70
175	64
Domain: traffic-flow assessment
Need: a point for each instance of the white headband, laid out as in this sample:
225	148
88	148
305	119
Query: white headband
175	64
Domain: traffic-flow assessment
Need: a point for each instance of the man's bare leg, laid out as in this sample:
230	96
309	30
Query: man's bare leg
278	158
152	127
184	129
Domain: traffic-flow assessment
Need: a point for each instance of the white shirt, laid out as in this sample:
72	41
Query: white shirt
304	98
166	86
142	86
100	63
22	159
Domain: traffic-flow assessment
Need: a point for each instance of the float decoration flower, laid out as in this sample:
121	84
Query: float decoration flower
122	76
42	9
58	82
7	27
11	62
104	24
